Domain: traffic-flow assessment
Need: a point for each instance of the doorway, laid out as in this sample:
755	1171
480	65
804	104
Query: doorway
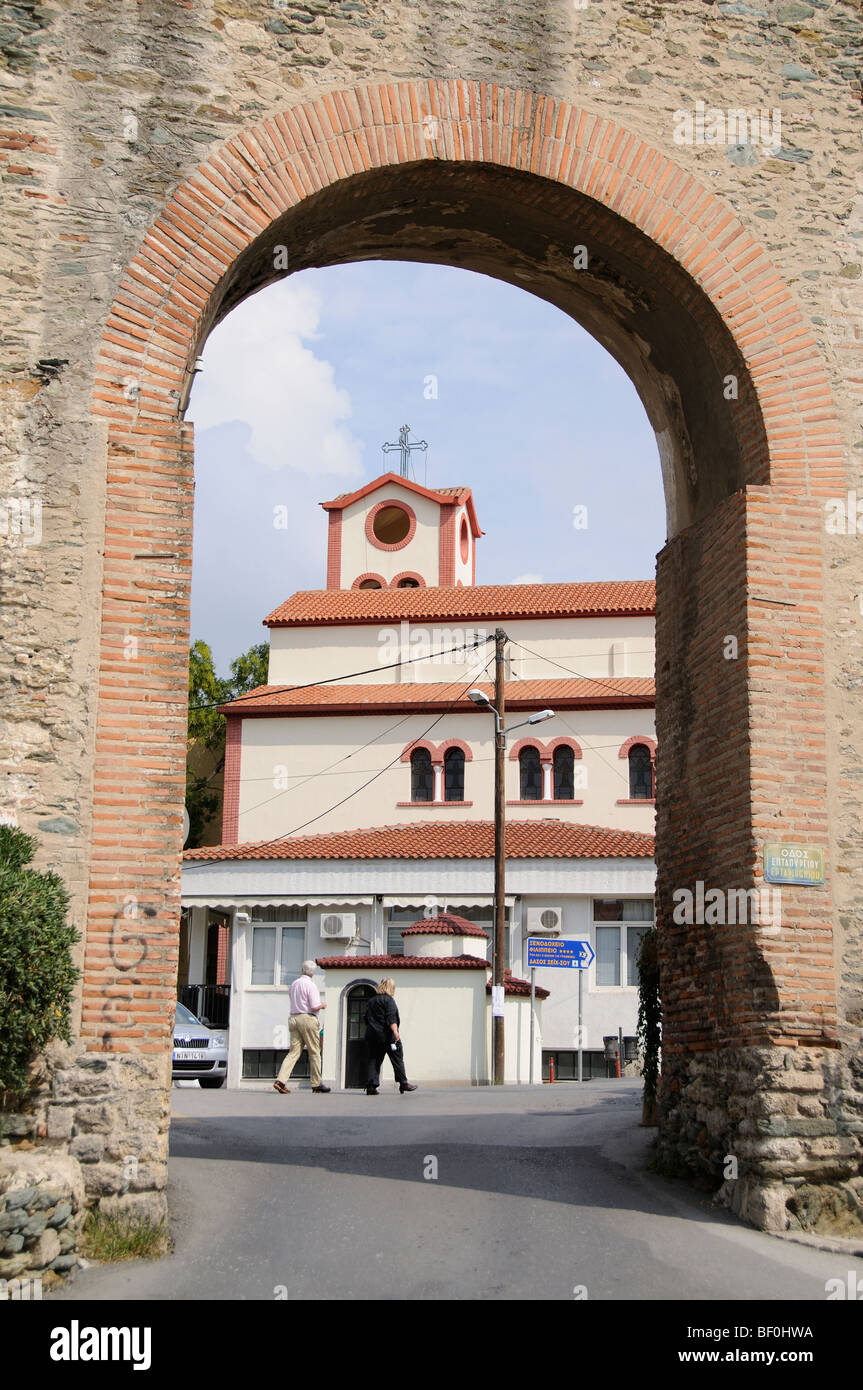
356	1053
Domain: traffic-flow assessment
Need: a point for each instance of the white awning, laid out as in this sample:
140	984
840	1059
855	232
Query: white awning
227	902
444	900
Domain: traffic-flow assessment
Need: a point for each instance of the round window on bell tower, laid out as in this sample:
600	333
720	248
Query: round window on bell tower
391	525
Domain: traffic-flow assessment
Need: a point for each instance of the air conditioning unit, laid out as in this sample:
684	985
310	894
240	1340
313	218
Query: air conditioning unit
545	919
338	926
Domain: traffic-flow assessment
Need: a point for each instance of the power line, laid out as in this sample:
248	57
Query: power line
391	763
328	680
598	680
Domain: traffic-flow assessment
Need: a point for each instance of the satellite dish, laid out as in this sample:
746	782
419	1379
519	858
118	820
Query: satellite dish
185	825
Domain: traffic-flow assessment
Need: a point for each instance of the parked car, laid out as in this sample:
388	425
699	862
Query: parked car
200	1054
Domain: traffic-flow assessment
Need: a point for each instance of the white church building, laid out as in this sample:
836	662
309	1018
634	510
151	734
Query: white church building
358	804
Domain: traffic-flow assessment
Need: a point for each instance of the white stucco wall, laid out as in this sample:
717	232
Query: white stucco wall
361	556
583	646
442	1024
293	770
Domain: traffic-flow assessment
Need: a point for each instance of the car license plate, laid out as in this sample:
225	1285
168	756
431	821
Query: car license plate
187	1056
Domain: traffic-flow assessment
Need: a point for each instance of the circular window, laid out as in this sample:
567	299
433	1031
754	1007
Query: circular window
464	541
391	525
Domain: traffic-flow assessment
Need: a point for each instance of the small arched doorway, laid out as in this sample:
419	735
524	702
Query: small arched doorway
356	1055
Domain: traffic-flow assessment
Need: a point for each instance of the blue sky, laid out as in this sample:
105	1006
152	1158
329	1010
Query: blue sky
304	381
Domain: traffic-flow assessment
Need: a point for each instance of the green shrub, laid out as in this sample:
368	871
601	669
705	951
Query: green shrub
37	976
649	1015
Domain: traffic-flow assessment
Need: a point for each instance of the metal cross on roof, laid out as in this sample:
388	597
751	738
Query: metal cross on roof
405	449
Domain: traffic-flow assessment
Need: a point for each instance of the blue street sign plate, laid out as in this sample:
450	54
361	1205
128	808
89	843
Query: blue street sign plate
562	955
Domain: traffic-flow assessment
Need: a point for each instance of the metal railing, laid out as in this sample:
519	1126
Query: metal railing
212	1002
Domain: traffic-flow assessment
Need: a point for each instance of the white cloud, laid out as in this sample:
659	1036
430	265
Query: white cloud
528	579
257	369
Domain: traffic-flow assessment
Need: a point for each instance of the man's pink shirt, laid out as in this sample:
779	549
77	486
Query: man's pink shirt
305	998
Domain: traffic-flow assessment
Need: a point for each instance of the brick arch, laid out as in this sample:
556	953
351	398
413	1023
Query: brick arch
649	744
177	285
369	574
564	742
407	574
529	742
742	536
444	748
414	747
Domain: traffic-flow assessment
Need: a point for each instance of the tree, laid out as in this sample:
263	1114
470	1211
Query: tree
37	976
250	670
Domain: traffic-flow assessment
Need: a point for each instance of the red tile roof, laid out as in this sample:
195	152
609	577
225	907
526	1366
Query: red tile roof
360	963
436	494
525	839
486	602
447	924
440	696
520	988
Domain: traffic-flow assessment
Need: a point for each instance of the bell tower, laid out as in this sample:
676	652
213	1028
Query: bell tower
395	534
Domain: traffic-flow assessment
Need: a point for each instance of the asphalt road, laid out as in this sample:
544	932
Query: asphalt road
540	1193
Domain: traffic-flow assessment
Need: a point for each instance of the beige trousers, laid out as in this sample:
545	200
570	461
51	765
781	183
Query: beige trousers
305	1033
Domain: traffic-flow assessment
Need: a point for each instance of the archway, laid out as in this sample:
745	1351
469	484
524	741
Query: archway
586	215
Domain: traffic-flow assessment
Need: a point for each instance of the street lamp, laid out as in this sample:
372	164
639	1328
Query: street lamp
497	708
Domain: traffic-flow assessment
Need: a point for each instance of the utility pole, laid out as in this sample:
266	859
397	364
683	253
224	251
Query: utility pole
499	957
405	449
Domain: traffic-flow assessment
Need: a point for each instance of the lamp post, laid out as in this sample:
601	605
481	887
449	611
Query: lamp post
498	955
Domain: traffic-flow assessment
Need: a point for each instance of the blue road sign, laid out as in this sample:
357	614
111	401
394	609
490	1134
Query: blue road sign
561	955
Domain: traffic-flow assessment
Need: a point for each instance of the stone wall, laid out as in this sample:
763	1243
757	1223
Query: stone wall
106	114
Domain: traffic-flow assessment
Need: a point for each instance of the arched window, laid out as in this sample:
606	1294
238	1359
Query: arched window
422	776
530	774
564	774
408	584
640	773
453	774
370	584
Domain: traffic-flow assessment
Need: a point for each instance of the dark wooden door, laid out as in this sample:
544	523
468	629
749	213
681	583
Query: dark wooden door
356	1054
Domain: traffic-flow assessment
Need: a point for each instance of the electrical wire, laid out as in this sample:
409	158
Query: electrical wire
351	675
287	835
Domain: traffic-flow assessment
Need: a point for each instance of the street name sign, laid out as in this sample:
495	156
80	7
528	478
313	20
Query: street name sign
799	864
543	953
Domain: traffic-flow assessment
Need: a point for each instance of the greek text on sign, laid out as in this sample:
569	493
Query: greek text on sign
803	864
561	955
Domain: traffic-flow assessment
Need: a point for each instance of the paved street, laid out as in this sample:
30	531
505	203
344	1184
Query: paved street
538	1191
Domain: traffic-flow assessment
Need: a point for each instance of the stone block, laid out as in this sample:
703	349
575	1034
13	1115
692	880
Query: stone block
140	1206
104	1179
87	1148
46	1249
60	1119
60	1215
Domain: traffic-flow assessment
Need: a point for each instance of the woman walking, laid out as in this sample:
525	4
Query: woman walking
382	1039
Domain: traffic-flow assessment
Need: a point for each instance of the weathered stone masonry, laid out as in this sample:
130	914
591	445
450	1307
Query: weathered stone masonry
153	156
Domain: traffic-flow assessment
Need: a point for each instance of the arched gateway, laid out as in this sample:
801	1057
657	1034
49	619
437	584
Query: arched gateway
580	211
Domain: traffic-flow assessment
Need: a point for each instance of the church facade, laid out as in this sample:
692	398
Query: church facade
358	806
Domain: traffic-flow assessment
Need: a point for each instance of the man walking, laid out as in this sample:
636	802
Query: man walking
305	1030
